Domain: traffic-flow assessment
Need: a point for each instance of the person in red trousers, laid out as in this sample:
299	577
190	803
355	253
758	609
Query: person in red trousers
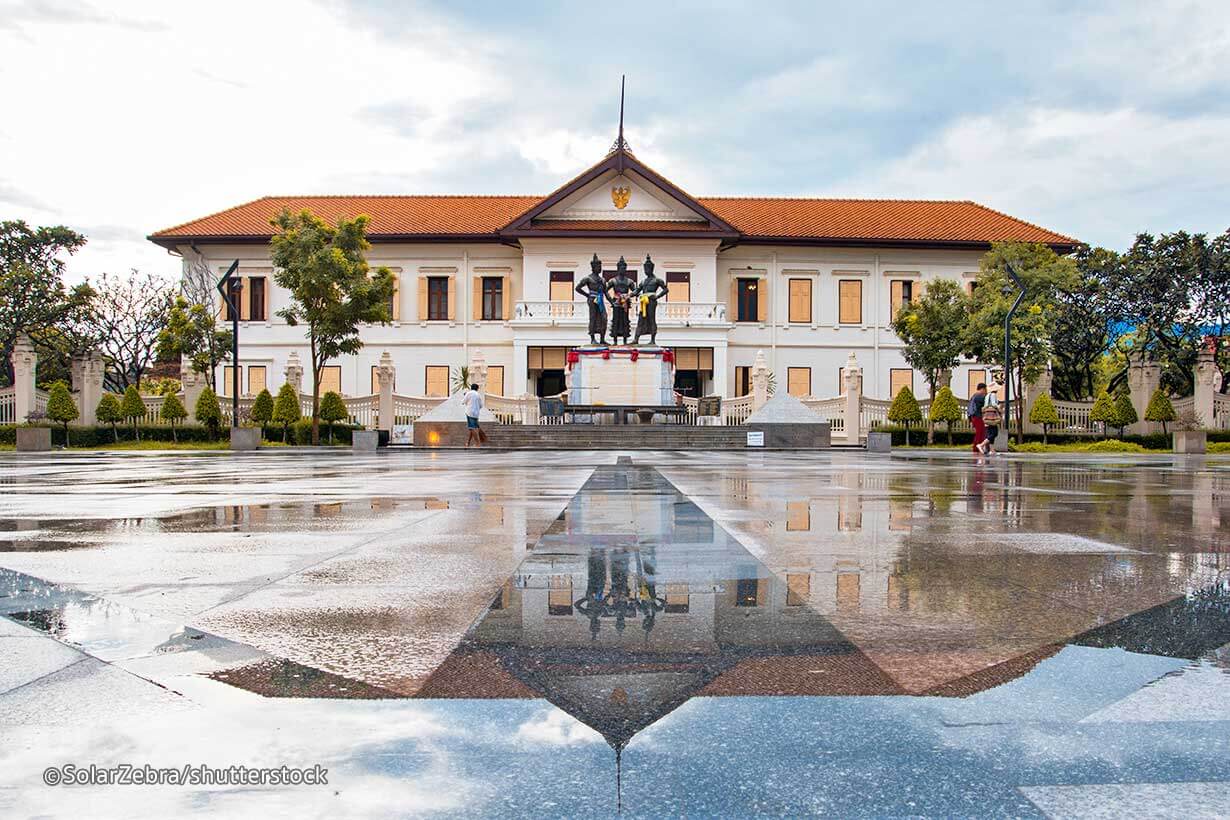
974	411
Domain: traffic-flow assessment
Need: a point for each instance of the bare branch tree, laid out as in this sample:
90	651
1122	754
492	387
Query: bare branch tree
127	316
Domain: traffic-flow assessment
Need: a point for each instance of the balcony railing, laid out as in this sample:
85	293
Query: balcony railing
670	314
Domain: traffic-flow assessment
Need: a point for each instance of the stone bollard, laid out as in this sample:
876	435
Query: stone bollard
245	438
33	439
365	440
879	442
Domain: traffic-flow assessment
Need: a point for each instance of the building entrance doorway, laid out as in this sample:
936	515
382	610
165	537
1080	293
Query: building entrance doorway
550	383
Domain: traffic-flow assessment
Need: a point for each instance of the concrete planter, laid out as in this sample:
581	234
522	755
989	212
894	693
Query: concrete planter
1190	442
245	438
365	440
879	442
35	439
795	435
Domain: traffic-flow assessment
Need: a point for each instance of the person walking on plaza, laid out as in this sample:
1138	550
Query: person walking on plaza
473	401
991	417
974	411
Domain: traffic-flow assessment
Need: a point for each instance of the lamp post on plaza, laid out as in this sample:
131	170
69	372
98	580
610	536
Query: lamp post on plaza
1008	343
231	290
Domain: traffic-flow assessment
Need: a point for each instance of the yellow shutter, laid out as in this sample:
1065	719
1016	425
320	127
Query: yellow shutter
245	297
228	380
850	306
798	381
895	289
762	300
256	379
798	517
476	291
452	298
898	378
422	317
848	590
534	358
396	312
495	379
437	380
798	586
800	301
506	293
687	358
706	359
331	379
976	377
732	309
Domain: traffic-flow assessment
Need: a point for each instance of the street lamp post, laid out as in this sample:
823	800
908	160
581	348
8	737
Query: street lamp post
1008	344
230	297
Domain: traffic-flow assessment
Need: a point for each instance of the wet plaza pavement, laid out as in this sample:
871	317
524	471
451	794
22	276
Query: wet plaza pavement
653	633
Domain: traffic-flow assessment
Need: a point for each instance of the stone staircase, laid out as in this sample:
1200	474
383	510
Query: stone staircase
614	437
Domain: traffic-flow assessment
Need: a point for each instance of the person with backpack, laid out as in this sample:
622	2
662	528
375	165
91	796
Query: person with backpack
991	417
974	412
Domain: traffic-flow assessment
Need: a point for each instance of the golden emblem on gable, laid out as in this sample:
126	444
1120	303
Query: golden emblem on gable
620	195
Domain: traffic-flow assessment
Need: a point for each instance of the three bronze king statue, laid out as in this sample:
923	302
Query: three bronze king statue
625	297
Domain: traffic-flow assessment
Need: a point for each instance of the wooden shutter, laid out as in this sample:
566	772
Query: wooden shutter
848	590
800	301
798	517
850	302
452	298
798	586
896	289
976	377
506	297
476	295
422	317
687	358
898	378
762	299
798	381
437	380
395	313
331	379
732	309
245	298
228	379
495	379
256	379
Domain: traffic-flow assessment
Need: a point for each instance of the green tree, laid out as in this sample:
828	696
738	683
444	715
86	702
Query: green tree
192	332
332	408
133	409
905	410
1103	411
1046	275
61	407
944	408
208	412
262	409
33	297
109	412
461	379
1043	412
332	290
1160	409
1125	413
933	330
1085	314
286	409
172	412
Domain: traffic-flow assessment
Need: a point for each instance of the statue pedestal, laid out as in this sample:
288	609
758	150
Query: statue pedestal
621	376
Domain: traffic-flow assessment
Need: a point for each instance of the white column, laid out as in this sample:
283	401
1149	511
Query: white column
294	372
385	375
854	399
520	367
1033	391
478	371
760	381
25	360
719	370
1143	379
1206	378
193	384
88	381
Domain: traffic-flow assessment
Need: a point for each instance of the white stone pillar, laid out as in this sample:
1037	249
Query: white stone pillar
760	381
88	381
1143	379
1206	384
25	361
520	369
294	372
719	370
193	384
853	375
1033	391
478	371
385	376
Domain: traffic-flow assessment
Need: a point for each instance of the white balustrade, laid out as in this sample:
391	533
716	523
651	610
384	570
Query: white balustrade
8	402
1221	412
670	314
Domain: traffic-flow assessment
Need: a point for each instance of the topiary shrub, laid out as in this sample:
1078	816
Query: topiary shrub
1125	413
332	409
1043	413
944	408
1113	447
208	412
262	409
286	409
1160	409
133	409
905	410
61	407
109	412
1103	411
173	412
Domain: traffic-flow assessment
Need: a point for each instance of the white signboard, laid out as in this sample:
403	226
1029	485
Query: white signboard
755	439
402	434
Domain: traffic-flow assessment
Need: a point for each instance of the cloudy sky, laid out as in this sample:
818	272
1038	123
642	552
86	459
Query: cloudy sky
1095	119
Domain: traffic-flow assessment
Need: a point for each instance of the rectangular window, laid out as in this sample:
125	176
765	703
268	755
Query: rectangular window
901	292
680	286
898	378
228	381
677	599
798	516
495	379
976	377
256	379
800	301
850	301
971	286
256	299
437	298
493	298
561	286
436	380
234	292
798	588
749	300
331	379
848	584
743	381
559	595
747	592
798	381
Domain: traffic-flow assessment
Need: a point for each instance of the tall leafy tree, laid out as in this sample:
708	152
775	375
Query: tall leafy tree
944	408
1044	413
1211	300
110	412
132	406
208	412
61	407
932	328
193	332
286	409
332	290
1085	324
1046	275
33	296
173	412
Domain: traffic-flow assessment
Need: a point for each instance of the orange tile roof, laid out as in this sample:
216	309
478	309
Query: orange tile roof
832	220
619	225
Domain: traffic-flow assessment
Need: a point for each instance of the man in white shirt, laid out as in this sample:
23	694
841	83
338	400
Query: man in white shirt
473	402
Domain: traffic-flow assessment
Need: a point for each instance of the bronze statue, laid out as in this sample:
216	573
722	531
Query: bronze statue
650	290
592	288
621	291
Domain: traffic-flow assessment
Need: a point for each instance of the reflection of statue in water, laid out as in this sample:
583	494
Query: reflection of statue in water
631	593
592	288
648	291
621	291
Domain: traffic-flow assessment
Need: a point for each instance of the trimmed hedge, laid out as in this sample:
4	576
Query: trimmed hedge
301	433
1153	441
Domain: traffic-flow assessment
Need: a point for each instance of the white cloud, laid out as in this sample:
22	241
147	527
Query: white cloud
555	727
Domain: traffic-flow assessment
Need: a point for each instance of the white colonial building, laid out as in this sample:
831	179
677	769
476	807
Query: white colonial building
807	281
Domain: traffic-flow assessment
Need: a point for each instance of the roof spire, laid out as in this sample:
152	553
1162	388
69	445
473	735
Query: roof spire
621	144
